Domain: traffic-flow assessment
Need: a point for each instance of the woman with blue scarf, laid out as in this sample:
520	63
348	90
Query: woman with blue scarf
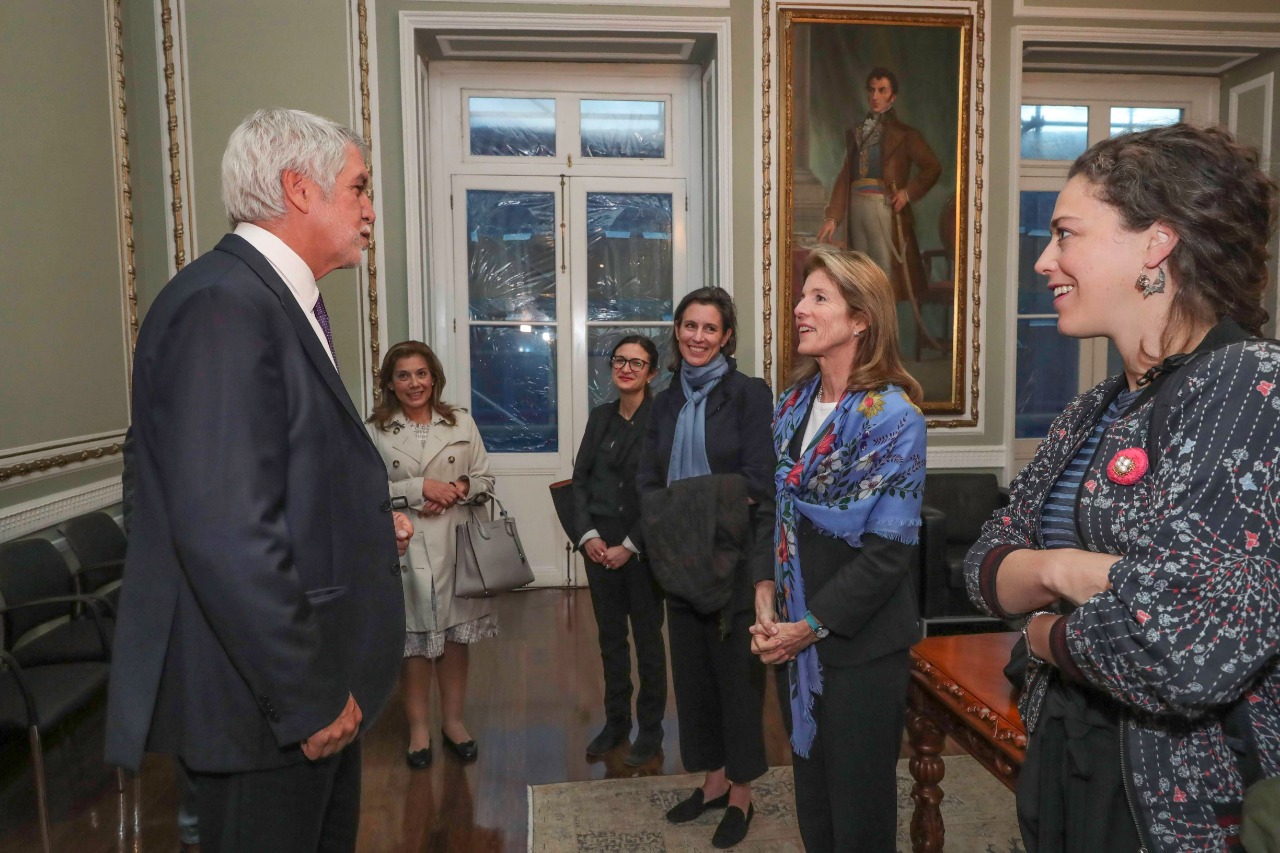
714	420
840	614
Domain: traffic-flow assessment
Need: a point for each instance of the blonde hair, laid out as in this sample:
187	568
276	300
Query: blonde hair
867	292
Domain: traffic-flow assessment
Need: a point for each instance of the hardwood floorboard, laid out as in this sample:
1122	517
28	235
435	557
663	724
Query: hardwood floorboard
535	700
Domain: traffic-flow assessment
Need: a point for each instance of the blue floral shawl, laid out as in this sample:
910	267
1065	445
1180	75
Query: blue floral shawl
862	473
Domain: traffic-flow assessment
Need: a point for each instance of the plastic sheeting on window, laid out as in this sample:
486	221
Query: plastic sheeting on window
512	127
623	128
600	343
1047	375
511	255
1054	132
513	388
629	256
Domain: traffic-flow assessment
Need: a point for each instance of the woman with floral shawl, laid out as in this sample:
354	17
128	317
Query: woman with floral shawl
840	613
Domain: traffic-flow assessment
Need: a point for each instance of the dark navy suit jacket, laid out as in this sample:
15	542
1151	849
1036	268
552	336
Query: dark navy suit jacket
262	583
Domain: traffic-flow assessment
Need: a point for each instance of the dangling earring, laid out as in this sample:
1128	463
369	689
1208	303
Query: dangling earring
1149	287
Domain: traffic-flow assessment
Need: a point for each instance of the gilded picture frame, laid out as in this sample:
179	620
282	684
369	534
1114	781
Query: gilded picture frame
876	151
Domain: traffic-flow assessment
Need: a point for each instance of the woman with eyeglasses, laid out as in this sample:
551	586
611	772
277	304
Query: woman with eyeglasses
622	586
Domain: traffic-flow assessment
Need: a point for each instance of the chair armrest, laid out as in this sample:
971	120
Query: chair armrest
1004	496
92	602
104	565
11	664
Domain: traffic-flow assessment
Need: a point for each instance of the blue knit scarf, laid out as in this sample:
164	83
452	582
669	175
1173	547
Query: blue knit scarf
689	449
862	473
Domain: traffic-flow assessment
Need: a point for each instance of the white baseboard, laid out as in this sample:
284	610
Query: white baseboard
967	457
24	518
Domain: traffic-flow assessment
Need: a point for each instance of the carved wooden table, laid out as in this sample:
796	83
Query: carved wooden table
958	688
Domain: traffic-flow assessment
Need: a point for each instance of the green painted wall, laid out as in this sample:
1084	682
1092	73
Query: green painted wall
61	342
245	54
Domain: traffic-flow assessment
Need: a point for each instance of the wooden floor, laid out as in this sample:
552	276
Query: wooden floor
534	703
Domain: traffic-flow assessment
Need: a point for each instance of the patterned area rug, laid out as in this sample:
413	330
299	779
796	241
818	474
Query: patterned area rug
627	814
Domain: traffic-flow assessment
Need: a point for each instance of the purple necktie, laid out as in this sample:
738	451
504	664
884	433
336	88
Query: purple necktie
323	316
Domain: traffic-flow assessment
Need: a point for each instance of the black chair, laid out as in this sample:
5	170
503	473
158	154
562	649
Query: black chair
37	699
44	620
956	505
99	544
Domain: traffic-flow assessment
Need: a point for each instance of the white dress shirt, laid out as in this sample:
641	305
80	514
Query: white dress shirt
295	272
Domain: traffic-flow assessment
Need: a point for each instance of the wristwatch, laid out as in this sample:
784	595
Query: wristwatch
819	630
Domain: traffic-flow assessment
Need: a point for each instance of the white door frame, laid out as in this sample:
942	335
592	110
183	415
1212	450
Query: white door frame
420	140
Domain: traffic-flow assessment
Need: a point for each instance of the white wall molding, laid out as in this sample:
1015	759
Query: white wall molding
24	518
1267	83
967	457
1124	13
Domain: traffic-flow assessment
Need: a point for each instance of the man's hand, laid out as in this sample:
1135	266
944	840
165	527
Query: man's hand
404	531
900	200
827	231
335	737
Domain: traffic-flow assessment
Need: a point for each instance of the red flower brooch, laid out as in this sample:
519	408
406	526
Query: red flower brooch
1128	466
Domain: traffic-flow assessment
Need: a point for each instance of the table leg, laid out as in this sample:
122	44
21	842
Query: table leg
927	769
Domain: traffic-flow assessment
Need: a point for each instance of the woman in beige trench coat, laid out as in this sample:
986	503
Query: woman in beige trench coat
436	460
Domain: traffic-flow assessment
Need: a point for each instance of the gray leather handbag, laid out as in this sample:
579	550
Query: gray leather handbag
489	558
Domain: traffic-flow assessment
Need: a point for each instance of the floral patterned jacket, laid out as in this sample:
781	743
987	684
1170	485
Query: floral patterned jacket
1191	623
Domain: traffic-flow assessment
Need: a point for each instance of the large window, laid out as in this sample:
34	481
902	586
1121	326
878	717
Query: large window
1057	125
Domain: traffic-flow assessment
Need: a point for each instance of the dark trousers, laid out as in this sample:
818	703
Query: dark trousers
617	594
846	790
302	808
719	688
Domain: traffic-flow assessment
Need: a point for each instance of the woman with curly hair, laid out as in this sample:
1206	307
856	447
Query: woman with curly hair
1142	538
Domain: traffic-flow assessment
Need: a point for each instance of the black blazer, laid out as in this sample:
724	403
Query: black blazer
865	596
628	456
739	432
262	583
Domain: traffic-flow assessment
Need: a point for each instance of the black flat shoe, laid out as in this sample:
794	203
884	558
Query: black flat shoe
689	809
608	739
467	751
733	827
418	759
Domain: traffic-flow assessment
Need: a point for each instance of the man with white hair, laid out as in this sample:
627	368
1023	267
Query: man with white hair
261	619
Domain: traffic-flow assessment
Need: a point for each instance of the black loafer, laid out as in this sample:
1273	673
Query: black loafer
608	739
733	827
466	751
418	759
691	808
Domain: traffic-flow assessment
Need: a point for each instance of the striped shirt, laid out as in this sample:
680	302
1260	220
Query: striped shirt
1058	515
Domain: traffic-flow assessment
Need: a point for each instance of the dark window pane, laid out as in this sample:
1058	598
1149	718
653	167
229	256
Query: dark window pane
1052	132
513	388
624	128
1035	212
1048	375
629	260
513	127
600	343
511	255
1126	119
